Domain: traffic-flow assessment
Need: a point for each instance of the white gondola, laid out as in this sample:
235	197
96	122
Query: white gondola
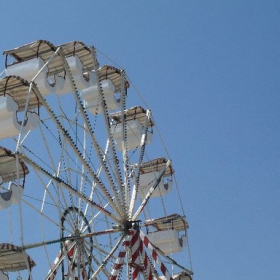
9	124
13	258
59	83
134	135
166	237
53	76
111	84
93	100
11	170
28	70
63	84
168	240
148	180
136	119
12	196
149	173
14	92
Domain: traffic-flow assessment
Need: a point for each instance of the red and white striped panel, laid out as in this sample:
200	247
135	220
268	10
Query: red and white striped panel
58	260
118	266
139	258
135	244
145	262
155	256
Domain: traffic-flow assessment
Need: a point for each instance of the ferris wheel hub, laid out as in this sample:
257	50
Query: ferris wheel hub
127	225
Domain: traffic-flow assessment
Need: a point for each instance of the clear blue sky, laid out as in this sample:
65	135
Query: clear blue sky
210	72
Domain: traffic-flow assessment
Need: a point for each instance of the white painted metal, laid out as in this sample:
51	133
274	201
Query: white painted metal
12	196
147	180
28	70
134	135
9	124
167	240
63	82
93	100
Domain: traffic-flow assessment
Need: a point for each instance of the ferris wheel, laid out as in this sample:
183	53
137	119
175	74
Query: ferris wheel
85	193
